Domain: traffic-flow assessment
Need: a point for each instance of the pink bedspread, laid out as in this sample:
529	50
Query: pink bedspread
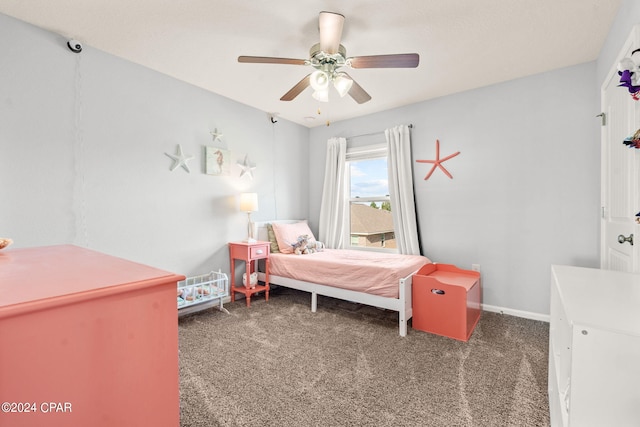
363	271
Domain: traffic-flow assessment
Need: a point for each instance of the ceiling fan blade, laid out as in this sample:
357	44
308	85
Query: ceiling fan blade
357	93
330	27
270	60
400	60
297	89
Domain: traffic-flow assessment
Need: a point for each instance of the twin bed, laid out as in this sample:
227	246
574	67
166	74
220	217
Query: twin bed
366	277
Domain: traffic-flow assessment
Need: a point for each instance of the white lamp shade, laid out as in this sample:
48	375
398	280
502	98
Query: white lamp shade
342	83
249	202
321	95
319	80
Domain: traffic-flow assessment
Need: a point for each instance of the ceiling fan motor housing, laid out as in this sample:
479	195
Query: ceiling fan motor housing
328	63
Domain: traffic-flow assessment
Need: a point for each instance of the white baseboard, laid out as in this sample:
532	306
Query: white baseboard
517	313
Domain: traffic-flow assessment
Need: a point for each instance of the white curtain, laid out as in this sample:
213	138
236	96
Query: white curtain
333	211
401	190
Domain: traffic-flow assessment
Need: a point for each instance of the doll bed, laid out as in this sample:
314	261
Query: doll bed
373	278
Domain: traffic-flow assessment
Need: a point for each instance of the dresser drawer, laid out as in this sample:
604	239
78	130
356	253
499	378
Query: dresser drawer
258	252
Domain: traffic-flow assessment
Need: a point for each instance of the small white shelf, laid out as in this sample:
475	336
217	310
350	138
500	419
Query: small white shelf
594	348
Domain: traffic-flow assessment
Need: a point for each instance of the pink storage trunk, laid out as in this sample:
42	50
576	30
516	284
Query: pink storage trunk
446	300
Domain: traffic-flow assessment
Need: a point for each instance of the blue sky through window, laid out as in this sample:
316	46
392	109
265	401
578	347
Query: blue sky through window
369	178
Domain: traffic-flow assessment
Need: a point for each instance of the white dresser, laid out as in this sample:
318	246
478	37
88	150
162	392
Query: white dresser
594	348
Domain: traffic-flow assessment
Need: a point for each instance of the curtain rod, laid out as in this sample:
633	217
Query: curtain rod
371	134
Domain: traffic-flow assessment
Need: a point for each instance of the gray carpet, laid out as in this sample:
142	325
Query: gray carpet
278	364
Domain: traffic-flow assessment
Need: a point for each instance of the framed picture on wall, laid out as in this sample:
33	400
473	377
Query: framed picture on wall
217	161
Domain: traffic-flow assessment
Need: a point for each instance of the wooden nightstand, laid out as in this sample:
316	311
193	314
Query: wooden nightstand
250	253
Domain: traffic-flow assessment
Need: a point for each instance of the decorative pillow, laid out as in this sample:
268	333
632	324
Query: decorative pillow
287	235
272	239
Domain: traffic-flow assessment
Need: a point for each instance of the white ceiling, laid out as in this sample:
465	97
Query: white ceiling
463	44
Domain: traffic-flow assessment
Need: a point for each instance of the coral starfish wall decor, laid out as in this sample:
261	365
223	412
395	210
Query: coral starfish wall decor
437	163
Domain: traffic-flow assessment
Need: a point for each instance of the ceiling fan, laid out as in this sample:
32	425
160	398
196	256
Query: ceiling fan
328	57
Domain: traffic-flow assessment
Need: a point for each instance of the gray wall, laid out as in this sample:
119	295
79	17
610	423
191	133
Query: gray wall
526	187
82	139
525	192
82	143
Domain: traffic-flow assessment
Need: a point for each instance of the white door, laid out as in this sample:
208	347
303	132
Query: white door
620	171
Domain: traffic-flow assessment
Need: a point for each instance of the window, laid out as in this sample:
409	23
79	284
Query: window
370	219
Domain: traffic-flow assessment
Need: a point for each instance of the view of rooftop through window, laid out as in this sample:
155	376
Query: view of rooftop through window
371	223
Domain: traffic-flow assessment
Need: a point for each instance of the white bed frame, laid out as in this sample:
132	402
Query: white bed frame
402	304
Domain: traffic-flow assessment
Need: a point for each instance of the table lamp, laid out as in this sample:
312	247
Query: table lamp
248	204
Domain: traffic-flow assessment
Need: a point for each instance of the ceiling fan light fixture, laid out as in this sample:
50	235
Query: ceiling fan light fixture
319	80
342	83
329	56
321	95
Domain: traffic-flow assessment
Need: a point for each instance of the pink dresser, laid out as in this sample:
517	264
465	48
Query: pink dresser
86	339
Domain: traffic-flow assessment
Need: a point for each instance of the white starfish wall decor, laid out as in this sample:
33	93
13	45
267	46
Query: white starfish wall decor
216	135
179	159
246	167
